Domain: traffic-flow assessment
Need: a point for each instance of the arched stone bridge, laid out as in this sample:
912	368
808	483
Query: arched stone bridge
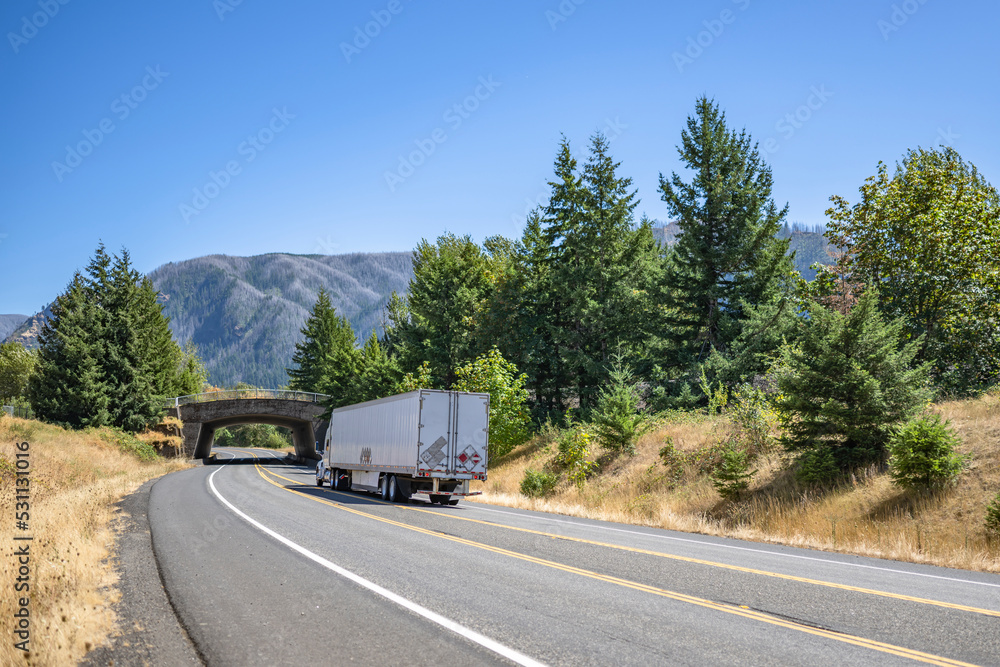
204	414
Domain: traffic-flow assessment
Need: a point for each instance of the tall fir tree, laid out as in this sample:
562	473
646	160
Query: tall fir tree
129	358
326	360
68	386
106	356
601	268
727	257
318	335
378	375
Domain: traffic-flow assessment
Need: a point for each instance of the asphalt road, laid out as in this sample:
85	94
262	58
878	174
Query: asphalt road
264	568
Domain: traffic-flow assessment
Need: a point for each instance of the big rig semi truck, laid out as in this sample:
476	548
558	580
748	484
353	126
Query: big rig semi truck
426	443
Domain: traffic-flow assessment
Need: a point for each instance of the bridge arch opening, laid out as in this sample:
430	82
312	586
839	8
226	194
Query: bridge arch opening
204	414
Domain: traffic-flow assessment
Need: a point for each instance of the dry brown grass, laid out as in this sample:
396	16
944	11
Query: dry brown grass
866	516
76	479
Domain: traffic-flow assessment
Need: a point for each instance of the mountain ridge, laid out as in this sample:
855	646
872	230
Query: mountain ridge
245	313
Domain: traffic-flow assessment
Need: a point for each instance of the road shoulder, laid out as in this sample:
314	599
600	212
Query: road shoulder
147	631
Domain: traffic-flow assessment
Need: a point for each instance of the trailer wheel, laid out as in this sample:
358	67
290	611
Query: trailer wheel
393	494
384	487
439	499
319	480
453	502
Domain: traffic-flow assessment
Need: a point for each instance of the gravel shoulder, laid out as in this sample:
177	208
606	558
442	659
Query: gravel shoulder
147	632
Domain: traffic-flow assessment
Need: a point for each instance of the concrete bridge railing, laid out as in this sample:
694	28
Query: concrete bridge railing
235	394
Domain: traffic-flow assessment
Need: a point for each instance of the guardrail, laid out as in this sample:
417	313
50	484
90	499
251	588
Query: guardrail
236	394
16	411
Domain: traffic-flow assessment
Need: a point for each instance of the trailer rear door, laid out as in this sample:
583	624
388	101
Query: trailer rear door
454	432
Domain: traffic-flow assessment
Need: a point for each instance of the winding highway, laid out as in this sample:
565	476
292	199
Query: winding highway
264	568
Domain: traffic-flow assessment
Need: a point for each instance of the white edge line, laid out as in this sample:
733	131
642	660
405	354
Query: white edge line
731	546
458	629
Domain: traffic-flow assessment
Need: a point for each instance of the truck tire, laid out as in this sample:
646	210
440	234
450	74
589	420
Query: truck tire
335	479
453	502
384	487
319	479
438	499
392	495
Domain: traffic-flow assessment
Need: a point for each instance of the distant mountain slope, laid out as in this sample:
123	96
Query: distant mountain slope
810	247
244	313
8	323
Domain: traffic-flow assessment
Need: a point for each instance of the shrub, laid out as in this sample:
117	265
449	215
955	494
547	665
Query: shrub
574	450
818	466
733	475
617	419
129	444
847	383
718	396
922	454
993	515
538	484
753	417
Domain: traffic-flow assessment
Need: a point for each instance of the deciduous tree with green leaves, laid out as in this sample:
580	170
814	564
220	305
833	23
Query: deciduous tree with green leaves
928	237
492	374
16	367
449	282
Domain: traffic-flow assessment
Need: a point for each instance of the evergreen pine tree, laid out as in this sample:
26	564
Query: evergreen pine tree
339	364
727	255
68	386
378	376
847	383
128	358
107	356
601	267
318	335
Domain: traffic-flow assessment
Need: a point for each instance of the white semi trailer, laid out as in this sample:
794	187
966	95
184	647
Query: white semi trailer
425	443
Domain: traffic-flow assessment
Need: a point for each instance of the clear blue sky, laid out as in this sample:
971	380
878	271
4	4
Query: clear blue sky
309	127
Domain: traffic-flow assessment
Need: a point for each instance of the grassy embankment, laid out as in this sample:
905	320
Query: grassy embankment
865	515
76	479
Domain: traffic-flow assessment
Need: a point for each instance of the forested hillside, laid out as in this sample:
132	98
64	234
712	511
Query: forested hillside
244	313
8	323
808	244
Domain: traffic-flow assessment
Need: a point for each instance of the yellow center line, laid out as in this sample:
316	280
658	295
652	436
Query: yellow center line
698	561
680	597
